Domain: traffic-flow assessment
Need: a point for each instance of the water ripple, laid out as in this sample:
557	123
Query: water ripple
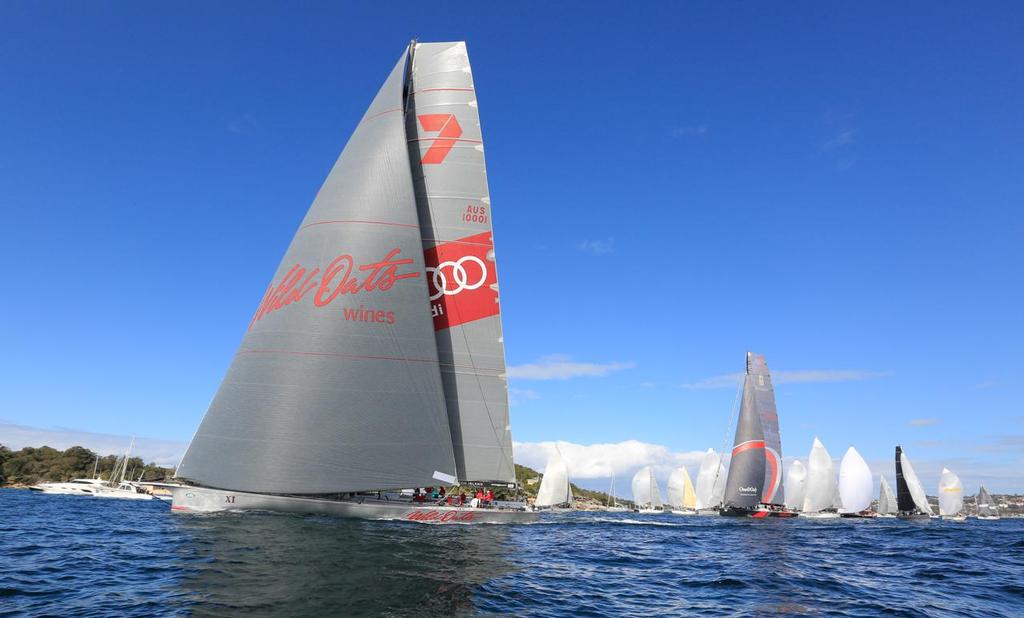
70	555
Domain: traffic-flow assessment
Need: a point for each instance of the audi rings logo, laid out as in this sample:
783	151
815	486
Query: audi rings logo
461	280
451	277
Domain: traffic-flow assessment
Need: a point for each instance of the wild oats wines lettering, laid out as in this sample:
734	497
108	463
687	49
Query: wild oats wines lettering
341	277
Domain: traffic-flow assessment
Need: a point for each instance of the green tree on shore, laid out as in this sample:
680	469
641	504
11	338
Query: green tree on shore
33	465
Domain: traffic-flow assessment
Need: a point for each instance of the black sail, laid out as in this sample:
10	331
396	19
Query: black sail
904	500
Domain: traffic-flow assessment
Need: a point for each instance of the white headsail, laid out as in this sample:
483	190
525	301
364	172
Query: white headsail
914	486
710	481
821	480
680	490
645	488
855	482
886	499
796	485
951	493
554	487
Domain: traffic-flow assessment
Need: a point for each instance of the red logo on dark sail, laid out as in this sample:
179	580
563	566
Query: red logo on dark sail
462	280
447	129
340	277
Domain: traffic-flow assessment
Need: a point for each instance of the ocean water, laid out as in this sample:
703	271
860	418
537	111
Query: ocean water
80	556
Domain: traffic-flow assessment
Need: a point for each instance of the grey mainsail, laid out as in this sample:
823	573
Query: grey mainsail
335	386
760	381
446	151
886	501
755	472
744	485
986	505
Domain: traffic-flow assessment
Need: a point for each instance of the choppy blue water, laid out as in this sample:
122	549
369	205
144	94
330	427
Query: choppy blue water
71	555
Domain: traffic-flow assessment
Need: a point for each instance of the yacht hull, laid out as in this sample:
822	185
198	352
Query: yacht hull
755	513
205	500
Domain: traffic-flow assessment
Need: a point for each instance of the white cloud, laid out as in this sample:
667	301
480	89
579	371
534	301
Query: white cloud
846	137
797	376
162	452
924	422
245	123
518	395
597	247
686	131
601	461
729	380
560	367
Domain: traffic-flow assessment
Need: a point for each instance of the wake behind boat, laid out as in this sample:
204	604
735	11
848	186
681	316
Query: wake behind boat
375	360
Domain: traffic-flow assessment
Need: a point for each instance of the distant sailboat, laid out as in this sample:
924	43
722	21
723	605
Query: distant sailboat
820	497
987	509
754	487
375	361
681	495
613	503
646	494
911	499
555	490
951	496
796	485
855	485
886	501
710	488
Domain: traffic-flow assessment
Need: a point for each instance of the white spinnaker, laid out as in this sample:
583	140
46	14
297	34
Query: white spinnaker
680	489
914	485
951	493
710	487
645	488
886	499
796	485
855	482
821	480
554	487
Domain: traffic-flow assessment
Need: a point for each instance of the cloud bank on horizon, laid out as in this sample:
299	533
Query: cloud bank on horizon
590	465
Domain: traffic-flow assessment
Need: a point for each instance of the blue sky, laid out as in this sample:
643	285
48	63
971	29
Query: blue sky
837	187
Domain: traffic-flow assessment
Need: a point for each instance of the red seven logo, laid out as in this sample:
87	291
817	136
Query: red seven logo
447	129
